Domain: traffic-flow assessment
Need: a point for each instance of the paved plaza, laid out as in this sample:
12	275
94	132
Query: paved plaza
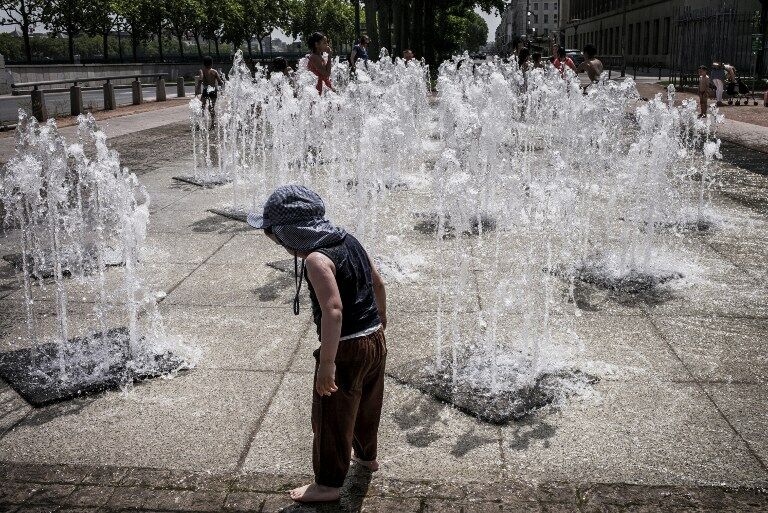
676	422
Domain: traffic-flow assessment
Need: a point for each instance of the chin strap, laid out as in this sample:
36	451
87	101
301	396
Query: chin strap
298	279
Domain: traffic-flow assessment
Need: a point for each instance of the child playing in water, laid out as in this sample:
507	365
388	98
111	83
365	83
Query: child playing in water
318	45
209	82
349	307
703	90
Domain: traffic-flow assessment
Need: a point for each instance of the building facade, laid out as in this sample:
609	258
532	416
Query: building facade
512	25
651	32
544	18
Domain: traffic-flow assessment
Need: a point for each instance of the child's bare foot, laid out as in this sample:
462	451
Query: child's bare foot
373	466
315	493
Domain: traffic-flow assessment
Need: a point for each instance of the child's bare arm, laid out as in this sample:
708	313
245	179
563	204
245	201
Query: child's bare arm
380	292
322	274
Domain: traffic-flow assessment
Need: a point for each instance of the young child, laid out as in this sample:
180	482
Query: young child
703	90
209	82
349	307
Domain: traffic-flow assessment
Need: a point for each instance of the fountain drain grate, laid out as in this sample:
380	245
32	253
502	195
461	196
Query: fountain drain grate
495	407
201	182
102	364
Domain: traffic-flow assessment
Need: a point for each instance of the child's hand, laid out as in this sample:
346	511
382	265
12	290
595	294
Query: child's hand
326	383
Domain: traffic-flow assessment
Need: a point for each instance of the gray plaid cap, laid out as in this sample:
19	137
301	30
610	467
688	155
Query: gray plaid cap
296	215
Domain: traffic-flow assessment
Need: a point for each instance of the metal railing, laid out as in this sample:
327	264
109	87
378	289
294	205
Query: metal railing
40	111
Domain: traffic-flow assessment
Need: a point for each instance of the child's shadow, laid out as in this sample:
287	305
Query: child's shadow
352	495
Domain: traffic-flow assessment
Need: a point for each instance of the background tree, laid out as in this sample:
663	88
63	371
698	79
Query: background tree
101	18
25	14
214	15
183	15
334	18
134	20
68	17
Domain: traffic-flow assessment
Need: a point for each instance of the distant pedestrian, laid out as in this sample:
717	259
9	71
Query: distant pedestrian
359	52
562	61
523	59
407	55
703	90
280	65
349	309
536	58
317	64
591	65
208	86
717	76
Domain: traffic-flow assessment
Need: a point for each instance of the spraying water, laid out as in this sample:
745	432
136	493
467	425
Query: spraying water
527	186
76	211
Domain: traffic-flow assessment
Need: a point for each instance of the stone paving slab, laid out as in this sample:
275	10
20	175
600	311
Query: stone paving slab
39	487
199	419
651	432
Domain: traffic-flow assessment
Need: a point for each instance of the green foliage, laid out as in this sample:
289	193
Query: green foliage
334	18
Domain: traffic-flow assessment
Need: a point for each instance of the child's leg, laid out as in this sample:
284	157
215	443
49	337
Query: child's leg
369	412
333	416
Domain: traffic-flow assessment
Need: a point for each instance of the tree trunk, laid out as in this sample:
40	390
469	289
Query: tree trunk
135	46
105	43
417	38
429	33
120	44
27	45
405	24
181	46
250	49
71	43
371	26
385	18
197	43
397	27
160	42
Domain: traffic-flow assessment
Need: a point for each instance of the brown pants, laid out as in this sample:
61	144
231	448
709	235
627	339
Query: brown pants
350	416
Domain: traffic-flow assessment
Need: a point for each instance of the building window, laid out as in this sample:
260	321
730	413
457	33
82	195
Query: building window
647	38
536	18
554	17
656	37
667	34
617	41
546	18
535	7
554	6
546	6
629	39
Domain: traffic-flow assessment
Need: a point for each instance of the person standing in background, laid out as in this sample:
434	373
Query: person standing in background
359	52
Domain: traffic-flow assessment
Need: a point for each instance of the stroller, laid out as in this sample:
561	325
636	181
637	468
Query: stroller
739	91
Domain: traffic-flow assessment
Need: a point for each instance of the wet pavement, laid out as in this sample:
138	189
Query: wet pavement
676	423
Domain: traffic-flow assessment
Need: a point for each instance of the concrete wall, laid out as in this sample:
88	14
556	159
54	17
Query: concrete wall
37	73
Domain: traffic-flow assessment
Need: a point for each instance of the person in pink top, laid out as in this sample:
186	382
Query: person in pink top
318	45
562	60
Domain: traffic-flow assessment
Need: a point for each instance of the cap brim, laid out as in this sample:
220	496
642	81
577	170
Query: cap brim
255	220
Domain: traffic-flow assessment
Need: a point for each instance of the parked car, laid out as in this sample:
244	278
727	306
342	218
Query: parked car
575	56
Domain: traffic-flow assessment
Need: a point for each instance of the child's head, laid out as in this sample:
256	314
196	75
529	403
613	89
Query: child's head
279	65
316	42
589	51
561	53
207	61
364	40
703	70
536	57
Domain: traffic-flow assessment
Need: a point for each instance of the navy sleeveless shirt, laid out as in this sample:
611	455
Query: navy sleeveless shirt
353	277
